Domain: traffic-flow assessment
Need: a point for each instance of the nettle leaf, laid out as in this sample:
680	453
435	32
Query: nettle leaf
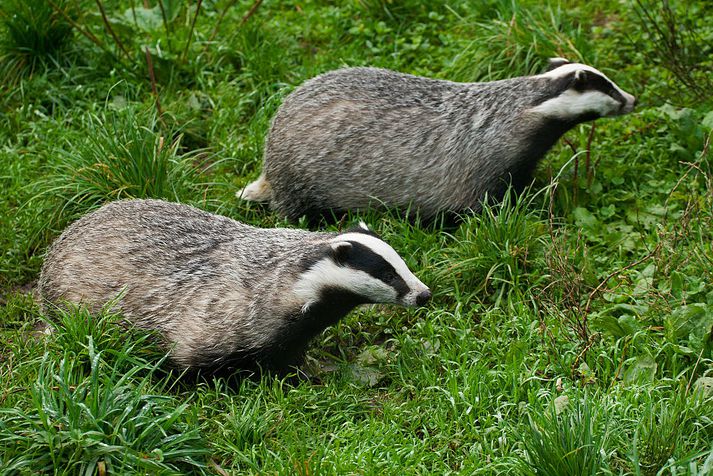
607	211
707	121
676	113
677	280
690	325
704	385
645	280
172	8
364	370
696	286
641	370
584	218
618	327
149	20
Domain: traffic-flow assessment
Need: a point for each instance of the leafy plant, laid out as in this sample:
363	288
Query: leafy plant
32	34
125	154
572	441
681	44
102	417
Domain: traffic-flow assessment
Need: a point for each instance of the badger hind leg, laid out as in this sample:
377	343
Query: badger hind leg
257	191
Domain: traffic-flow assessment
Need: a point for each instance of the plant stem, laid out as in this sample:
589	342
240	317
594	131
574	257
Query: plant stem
111	30
220	20
250	12
88	34
152	77
190	33
165	24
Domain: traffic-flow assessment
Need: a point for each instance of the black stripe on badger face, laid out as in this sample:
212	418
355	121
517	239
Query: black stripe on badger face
589	81
362	258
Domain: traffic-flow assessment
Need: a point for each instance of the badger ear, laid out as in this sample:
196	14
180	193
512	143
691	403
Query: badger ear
554	63
340	251
363	226
581	78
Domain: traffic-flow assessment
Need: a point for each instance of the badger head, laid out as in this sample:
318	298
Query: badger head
581	93
361	266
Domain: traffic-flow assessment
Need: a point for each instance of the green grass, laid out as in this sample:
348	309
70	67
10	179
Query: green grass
570	331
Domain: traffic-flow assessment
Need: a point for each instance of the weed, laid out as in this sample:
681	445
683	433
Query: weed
567	441
125	154
680	44
32	35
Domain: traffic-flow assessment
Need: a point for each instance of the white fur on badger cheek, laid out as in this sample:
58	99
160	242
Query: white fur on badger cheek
382	249
572	104
328	274
572	67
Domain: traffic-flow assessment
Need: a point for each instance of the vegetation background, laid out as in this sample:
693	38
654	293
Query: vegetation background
570	333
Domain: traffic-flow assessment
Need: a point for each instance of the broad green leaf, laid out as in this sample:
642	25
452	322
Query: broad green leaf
690	324
704	385
677	279
645	280
584	218
641	370
147	19
707	121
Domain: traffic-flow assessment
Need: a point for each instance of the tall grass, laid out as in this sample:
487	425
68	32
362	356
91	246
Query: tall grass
32	34
98	411
493	248
567	441
123	154
514	43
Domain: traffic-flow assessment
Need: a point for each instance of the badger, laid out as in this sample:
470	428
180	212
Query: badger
221	295
359	137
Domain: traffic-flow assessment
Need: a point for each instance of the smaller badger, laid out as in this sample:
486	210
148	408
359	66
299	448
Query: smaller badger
223	295
360	137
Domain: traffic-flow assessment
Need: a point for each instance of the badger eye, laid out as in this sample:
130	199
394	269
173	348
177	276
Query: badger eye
389	276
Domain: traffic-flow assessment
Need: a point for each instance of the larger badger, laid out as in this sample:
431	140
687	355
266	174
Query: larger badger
221	293
360	137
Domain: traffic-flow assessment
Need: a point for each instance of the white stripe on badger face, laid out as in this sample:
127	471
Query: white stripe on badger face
327	273
572	103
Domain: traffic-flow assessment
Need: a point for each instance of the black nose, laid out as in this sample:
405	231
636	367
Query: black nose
423	297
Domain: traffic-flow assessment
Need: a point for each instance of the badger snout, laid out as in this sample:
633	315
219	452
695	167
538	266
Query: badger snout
417	298
423	297
628	105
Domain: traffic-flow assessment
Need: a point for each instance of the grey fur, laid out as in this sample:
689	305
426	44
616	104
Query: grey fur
221	292
360	137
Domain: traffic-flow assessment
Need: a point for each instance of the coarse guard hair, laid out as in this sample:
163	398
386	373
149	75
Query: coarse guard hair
368	137
221	294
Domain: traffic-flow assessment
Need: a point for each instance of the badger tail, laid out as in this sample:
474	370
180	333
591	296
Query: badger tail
258	191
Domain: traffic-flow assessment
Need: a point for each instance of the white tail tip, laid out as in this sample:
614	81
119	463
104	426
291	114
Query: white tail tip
258	191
